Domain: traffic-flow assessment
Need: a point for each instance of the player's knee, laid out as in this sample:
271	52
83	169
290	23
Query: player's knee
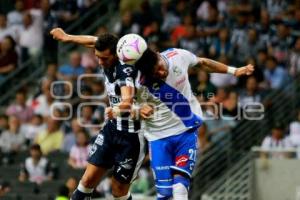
87	181
179	190
164	193
180	187
182	180
119	189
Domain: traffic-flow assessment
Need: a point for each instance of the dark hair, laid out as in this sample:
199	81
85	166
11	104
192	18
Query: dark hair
106	41
36	147
147	62
272	58
22	91
12	42
278	125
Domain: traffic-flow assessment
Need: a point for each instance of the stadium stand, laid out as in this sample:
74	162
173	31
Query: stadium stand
263	33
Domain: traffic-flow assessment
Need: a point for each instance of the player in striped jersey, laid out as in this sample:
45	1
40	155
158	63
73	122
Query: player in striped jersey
177	116
120	144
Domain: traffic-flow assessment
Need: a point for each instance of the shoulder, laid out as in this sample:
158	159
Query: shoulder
28	161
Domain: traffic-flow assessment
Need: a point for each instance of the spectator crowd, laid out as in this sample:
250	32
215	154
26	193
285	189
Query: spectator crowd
66	113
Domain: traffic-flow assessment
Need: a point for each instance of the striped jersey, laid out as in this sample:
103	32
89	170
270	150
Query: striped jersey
115	78
176	109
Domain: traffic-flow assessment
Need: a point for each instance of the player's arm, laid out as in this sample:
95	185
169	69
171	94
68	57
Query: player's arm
84	40
127	94
213	66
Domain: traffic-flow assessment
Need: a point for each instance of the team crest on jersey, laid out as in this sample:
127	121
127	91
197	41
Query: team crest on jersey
99	140
127	70
177	71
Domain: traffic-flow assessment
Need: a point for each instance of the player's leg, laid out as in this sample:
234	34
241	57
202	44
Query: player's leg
120	190
129	158
186	151
161	160
88	182
101	156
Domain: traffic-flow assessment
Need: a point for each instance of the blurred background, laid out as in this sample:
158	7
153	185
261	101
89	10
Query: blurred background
43	150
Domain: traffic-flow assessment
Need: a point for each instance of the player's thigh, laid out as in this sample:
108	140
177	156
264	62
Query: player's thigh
185	153
129	157
102	152
92	175
161	160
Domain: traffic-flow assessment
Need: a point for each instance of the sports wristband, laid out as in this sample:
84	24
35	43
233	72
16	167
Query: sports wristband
231	70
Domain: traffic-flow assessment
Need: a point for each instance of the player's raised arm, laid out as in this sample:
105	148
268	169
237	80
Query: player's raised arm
217	67
85	40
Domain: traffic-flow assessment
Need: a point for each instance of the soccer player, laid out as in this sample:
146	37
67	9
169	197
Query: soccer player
172	131
120	145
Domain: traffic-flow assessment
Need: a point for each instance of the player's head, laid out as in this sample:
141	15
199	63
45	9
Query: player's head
152	65
105	49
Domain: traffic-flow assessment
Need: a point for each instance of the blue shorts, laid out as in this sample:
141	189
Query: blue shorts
173	154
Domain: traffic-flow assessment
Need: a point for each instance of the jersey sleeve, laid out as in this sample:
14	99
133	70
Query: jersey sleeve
126	75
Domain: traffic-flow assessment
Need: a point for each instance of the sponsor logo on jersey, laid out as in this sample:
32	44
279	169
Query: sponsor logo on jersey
177	71
99	140
114	100
171	54
180	81
181	161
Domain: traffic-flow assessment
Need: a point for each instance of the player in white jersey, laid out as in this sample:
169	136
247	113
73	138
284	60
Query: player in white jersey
172	131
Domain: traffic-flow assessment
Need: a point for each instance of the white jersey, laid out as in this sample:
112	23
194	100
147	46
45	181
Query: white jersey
176	109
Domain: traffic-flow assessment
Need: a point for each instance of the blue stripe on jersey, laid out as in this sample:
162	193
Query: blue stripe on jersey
176	102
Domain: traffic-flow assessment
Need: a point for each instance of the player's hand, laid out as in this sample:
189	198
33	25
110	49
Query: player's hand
109	113
146	111
246	70
59	34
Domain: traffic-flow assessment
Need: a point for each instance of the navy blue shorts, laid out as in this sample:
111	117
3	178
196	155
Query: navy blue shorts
120	150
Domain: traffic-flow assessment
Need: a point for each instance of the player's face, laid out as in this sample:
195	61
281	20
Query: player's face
106	58
160	69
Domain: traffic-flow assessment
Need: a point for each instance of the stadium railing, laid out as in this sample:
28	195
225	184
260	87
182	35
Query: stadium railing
241	181
233	147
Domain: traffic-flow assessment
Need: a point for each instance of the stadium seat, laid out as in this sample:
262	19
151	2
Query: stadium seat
50	187
20	157
26	187
10	197
10	172
58	158
36	197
